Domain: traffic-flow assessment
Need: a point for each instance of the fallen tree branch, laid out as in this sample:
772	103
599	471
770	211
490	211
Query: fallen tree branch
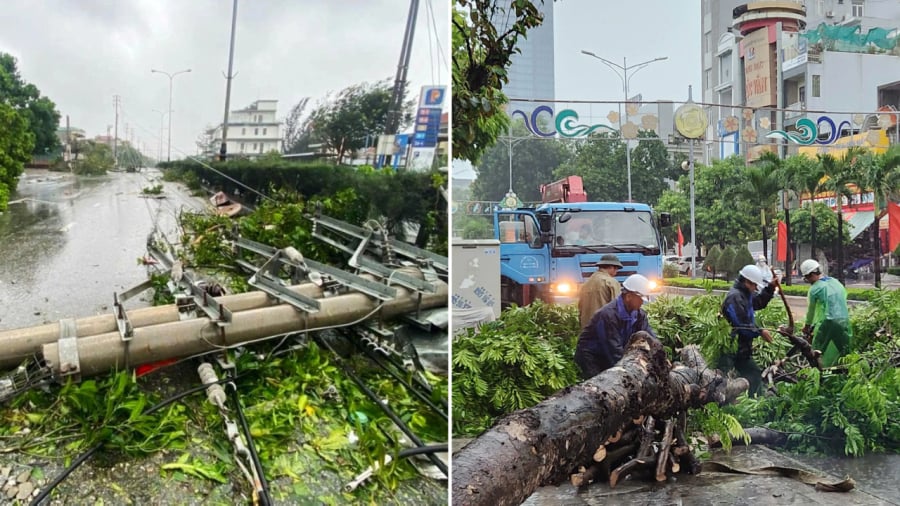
662	459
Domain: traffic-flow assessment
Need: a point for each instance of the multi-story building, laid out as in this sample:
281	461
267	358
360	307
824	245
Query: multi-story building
531	73
835	56
252	131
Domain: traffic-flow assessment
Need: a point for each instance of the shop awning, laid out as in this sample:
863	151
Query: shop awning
859	222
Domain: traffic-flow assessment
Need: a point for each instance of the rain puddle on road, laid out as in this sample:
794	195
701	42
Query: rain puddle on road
67	243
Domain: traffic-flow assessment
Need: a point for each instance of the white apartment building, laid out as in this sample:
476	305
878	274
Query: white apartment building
252	131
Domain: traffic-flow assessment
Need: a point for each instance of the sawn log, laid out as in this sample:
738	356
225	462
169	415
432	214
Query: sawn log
545	443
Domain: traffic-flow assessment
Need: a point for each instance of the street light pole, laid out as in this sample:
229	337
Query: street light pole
171	77
624	68
162	116
509	142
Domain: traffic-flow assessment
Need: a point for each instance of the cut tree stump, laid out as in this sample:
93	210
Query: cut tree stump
544	444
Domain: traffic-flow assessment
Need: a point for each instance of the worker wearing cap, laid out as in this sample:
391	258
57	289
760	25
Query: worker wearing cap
600	289
749	294
827	313
602	341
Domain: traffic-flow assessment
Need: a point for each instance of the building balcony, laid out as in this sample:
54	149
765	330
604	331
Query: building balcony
750	16
795	111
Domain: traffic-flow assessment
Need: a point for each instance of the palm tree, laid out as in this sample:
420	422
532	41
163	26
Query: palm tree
839	173
763	179
808	177
881	174
792	175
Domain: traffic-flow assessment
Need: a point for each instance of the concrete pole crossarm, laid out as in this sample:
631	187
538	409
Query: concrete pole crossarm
101	353
19	344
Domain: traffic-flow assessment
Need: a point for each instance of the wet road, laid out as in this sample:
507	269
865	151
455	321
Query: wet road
876	479
67	243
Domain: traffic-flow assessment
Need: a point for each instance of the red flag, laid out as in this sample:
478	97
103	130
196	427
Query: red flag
680	240
781	254
893	225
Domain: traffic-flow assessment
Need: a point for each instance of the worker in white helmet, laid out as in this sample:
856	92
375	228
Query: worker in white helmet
827	316
602	341
749	294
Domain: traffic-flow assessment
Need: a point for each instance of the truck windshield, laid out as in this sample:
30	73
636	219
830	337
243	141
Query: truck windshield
629	230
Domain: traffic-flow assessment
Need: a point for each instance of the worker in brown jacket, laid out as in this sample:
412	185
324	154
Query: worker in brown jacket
599	289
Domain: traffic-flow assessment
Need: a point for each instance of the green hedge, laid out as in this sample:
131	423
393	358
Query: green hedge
386	195
798	290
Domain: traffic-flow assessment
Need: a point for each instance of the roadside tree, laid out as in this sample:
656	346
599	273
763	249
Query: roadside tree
600	159
533	163
722	212
97	158
16	144
39	111
762	189
355	115
481	56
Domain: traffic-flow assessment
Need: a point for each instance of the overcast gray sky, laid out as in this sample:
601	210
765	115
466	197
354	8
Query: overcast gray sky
638	30
81	53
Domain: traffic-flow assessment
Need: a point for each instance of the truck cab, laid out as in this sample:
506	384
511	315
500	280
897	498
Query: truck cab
548	252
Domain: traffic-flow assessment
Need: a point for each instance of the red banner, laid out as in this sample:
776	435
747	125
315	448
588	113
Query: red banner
781	254
893	225
680	240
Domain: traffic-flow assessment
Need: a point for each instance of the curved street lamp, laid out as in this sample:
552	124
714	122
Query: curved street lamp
624	68
171	77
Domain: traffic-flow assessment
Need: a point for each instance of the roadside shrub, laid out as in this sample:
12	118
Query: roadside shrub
512	363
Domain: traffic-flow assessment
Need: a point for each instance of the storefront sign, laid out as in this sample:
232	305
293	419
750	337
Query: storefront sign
759	69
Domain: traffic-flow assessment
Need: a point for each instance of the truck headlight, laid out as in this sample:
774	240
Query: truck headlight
562	288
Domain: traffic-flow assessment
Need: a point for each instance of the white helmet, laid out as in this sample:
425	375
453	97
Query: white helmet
752	273
808	267
638	284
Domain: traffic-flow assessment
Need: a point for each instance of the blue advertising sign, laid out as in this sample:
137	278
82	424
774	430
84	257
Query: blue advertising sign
401	141
428	126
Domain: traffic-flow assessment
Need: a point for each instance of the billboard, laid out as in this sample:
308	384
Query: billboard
759	69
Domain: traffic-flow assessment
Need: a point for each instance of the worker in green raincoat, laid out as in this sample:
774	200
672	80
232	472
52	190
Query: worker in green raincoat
827	317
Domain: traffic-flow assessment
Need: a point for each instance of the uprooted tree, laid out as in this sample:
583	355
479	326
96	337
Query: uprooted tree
544	444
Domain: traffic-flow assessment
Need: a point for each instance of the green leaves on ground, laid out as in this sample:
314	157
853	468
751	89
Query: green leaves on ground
304	404
711	419
81	415
512	363
852	409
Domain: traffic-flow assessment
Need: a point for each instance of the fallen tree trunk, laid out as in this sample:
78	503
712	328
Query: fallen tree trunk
545	443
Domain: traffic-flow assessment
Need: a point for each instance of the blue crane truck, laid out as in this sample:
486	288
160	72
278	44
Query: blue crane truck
547	252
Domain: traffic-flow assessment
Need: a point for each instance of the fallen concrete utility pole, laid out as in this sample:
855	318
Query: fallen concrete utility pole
544	444
101	353
19	344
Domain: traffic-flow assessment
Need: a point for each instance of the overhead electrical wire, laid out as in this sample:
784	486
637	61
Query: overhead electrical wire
438	44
